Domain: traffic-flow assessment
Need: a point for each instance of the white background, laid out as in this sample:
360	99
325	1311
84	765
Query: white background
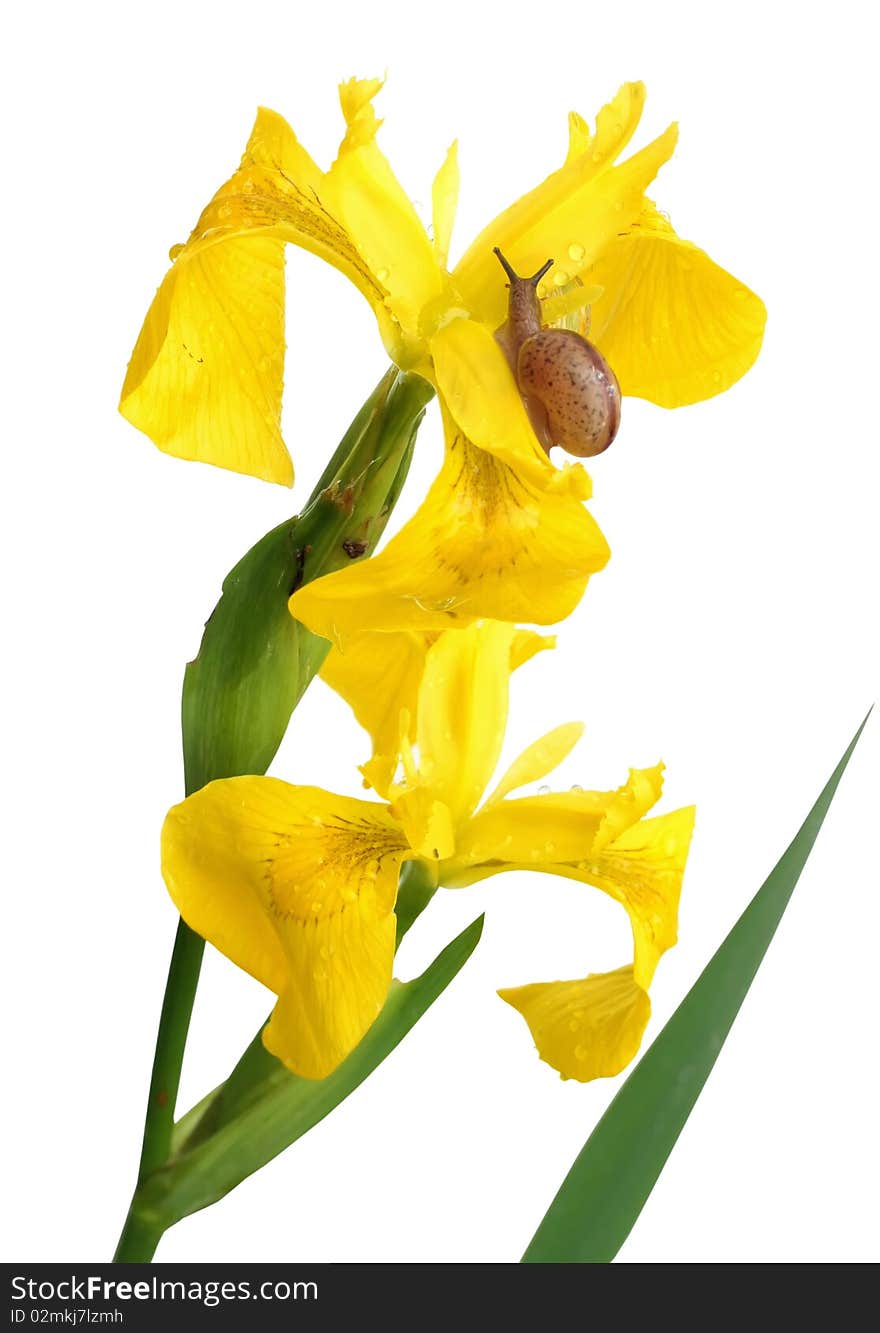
733	633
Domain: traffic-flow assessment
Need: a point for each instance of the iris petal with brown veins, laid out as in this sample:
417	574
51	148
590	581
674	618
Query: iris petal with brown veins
570	391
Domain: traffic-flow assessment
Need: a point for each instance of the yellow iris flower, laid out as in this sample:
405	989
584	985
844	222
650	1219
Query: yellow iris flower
298	886
503	533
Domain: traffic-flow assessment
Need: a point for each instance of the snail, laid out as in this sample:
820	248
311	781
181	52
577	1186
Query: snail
570	391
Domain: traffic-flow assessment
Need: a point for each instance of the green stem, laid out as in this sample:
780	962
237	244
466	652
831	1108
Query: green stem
138	1241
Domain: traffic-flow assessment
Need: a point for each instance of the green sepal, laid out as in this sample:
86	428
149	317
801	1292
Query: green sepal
255	661
608	1185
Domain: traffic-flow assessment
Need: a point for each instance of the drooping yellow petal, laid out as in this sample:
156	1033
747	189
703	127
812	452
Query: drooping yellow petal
444	202
539	759
485	544
205	378
462	713
296	886
555	832
585	1029
362	190
643	868
571	216
675	326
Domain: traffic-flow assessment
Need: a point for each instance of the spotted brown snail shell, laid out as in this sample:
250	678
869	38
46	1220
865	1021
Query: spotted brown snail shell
570	392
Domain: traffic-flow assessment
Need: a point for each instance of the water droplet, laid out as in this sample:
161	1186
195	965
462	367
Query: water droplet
580	1052
597	156
742	293
573	1025
716	376
248	186
316	907
224	211
175	251
618	207
319	975
549	848
348	894
576	252
382	275
560	278
576	786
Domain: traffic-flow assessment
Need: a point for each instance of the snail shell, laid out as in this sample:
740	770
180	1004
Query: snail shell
569	389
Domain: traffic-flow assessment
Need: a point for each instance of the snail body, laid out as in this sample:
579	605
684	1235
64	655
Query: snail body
570	391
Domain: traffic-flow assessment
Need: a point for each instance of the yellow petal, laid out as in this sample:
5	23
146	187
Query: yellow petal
555	832
570	217
480	393
444	201
616	123
204	381
296	886
427	822
463	712
585	1029
643	868
205	377
363	192
378	675
675	327
539	759
484	544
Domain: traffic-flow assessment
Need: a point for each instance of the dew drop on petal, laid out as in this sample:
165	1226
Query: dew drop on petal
560	278
175	251
580	1052
576	786
544	791
382	275
576	252
248	186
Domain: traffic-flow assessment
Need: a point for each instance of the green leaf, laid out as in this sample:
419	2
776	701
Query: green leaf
255	661
609	1183
283	1107
257	1067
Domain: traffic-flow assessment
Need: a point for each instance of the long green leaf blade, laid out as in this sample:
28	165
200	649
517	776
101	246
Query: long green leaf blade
286	1106
607	1187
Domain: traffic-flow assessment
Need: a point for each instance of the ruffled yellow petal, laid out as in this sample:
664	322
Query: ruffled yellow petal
585	1029
444	202
616	123
362	190
485	544
643	868
675	326
205	378
539	759
296	886
570	217
555	832
462	712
